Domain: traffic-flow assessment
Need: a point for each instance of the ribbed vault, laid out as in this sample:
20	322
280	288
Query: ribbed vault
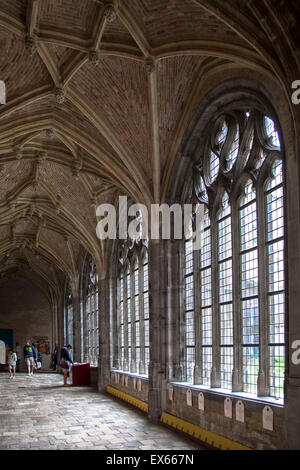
98	97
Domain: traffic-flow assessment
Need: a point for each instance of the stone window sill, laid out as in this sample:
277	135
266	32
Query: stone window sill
227	393
131	374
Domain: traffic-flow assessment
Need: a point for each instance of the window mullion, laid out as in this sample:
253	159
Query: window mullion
237	375
215	373
263	386
125	323
133	332
142	323
197	318
120	324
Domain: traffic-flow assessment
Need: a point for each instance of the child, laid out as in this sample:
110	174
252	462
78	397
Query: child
12	361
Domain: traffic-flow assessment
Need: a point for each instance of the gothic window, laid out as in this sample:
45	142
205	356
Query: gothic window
235	283
133	309
90	311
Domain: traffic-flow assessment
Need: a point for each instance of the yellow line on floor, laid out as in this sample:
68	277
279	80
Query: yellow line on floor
208	437
142	405
215	440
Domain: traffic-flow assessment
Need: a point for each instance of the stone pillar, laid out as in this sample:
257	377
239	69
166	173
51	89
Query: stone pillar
60	320
292	377
158	335
105	286
55	316
175	318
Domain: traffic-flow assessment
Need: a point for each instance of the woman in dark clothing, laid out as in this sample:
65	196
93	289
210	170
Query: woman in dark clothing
55	356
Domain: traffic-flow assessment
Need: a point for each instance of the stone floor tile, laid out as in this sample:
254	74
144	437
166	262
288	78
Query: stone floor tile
39	413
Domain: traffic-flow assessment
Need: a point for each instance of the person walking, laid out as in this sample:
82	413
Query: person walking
55	356
39	360
12	361
35	356
65	362
18	351
29	356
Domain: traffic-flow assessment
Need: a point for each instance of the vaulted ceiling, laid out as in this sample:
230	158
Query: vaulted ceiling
98	96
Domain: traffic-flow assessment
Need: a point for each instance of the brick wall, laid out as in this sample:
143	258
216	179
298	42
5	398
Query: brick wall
25	309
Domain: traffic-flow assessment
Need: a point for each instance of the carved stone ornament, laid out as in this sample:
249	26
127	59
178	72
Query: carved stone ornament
59	95
94	57
94	201
50	133
30	45
77	166
150	65
35	184
110	12
41	158
19	154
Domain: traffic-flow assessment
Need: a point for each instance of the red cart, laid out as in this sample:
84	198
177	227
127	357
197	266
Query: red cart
80	374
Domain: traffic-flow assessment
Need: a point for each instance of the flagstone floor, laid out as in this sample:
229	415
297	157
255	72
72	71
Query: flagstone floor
38	413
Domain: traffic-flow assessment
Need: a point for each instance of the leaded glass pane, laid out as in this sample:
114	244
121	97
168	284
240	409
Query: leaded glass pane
226	367
250	321
250	368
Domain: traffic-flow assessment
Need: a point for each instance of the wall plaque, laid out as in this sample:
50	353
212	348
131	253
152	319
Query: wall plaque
239	411
268	418
189	397
228	408
201	401
171	392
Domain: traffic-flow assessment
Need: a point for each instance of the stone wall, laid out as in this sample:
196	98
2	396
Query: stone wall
248	427
250	433
132	385
25	310
94	376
